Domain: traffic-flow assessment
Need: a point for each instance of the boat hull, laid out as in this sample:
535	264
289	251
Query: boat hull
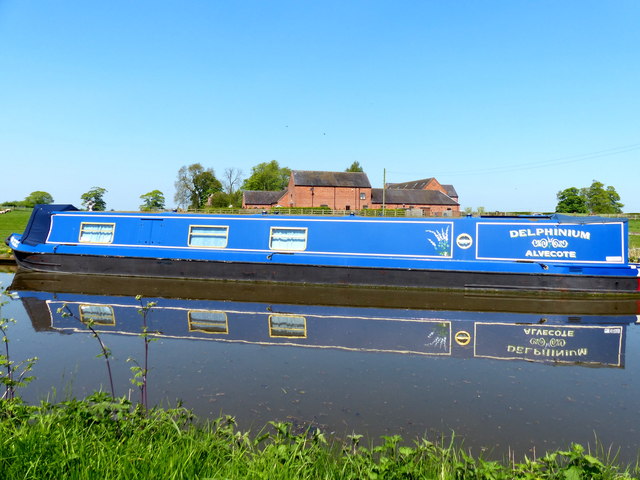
327	275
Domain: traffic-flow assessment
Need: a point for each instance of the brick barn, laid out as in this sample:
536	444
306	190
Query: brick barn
262	199
427	195
352	191
336	190
426	184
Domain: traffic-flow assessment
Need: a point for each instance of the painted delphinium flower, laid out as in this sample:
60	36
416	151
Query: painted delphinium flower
441	244
439	337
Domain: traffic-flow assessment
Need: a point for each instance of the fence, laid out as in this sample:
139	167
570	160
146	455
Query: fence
388	212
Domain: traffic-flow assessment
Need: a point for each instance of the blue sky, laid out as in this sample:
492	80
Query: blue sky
510	101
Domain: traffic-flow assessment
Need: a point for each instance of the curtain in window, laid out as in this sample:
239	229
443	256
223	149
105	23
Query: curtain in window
208	322
96	233
287	326
98	314
208	237
288	239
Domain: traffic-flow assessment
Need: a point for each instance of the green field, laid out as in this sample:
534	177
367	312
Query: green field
634	227
12	222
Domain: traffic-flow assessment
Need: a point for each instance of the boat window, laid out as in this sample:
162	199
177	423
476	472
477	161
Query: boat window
97	232
97	315
208	322
287	326
283	238
208	236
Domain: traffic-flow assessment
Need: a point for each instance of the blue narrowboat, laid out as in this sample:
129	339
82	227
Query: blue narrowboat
528	253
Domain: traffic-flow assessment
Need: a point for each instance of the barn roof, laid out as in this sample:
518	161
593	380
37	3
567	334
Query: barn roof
411	197
259	197
330	179
412	185
450	190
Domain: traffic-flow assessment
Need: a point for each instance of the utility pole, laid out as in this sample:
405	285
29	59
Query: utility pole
384	189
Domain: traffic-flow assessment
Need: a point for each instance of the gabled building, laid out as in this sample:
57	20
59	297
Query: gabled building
427	194
336	190
352	191
262	199
426	184
421	202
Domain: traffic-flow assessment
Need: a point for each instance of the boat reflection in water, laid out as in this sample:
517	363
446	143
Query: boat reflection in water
368	361
574	337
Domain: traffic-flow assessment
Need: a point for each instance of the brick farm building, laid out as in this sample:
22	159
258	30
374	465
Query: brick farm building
352	191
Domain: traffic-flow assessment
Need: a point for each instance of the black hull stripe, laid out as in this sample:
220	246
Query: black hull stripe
323	275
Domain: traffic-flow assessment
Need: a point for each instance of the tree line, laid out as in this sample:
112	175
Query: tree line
198	187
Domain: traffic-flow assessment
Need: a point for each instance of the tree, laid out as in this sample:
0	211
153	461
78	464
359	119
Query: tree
92	200
593	199
355	167
601	200
232	179
194	186
267	176
154	200
38	197
226	200
570	200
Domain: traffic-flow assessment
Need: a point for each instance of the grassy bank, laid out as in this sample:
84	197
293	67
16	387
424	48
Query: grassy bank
634	240
107	439
12	222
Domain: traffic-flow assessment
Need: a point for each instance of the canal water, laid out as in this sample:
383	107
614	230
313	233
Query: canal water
504	374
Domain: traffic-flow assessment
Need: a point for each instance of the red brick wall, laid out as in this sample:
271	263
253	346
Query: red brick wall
259	207
336	198
435	185
428	209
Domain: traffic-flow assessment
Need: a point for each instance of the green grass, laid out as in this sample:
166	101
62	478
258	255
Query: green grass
14	221
634	241
105	439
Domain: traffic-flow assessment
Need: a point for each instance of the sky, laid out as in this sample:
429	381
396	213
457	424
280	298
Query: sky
509	101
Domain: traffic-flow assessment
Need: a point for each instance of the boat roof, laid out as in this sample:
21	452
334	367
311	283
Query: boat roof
37	228
560	218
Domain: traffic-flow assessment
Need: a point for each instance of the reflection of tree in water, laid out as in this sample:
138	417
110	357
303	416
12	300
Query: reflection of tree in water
439	336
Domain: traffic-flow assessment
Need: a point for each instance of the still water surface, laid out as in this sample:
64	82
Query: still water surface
503	374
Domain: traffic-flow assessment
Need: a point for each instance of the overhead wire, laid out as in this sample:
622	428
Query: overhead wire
539	164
